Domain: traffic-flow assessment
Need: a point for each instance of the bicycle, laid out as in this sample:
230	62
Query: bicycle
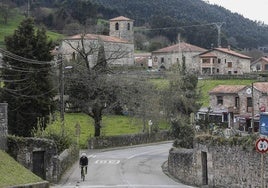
83	173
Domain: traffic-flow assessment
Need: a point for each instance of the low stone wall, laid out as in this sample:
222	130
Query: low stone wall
180	165
23	150
62	162
224	165
128	140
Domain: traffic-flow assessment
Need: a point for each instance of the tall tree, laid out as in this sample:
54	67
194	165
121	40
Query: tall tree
28	89
91	85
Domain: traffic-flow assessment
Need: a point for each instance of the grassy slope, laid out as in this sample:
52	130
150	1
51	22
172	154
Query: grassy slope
14	20
12	173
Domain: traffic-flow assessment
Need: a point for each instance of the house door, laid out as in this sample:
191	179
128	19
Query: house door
204	168
38	164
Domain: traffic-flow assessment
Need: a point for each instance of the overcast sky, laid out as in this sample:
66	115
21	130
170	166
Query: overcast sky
252	9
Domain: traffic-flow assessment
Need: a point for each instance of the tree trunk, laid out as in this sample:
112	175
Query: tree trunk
97	112
97	128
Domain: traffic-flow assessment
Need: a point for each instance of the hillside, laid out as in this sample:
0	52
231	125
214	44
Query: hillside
15	17
196	21
238	31
12	173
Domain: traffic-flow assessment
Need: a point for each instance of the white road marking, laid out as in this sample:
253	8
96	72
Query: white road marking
113	162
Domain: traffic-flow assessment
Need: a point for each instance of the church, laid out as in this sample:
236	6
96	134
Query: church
118	45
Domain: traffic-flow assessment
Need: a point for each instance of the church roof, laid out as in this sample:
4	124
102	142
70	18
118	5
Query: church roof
120	18
104	38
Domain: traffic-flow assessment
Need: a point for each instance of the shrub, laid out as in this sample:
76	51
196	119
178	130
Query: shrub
184	135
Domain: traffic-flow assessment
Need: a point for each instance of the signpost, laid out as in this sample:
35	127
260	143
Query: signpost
262	147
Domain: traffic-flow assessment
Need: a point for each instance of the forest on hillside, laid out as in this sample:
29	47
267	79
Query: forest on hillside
158	22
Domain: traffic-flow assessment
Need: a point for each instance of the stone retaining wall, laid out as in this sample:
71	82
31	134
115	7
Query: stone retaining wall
62	162
128	140
213	165
3	126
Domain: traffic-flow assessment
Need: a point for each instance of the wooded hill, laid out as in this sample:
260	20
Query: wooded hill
195	20
237	31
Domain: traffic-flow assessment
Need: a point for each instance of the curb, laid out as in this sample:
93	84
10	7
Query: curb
44	184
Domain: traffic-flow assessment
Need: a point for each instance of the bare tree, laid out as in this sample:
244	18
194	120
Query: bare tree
91	84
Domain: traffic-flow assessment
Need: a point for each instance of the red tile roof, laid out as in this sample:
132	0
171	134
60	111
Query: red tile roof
231	52
120	18
104	38
182	46
227	89
261	86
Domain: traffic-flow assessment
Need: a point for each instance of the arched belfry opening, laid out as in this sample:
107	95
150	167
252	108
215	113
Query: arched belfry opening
122	27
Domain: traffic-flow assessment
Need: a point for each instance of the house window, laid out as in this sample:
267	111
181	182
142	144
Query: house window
258	67
249	104
230	64
162	60
219	100
235	72
237	102
128	26
218	70
219	60
266	67
229	72
205	60
117	26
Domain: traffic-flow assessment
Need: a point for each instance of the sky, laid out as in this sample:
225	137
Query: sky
252	9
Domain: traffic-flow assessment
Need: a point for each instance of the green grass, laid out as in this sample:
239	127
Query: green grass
14	21
12	173
111	125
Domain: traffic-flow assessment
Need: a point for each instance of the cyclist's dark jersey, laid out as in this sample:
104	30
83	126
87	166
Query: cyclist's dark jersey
83	161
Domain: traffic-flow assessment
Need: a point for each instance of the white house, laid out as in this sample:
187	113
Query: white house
171	55
223	61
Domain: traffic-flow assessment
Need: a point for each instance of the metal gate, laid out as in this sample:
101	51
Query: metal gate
38	164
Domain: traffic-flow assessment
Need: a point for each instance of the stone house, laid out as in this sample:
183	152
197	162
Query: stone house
260	64
223	61
237	104
118	46
171	55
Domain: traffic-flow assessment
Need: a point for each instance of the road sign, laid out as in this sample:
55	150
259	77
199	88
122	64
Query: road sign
262	145
263	126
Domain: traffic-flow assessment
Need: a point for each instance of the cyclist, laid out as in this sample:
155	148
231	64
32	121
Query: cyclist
83	162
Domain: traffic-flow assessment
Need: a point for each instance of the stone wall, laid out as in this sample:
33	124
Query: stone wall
3	126
23	149
128	140
62	162
218	165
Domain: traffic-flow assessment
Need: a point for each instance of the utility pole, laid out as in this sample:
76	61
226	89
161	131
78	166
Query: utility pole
28	9
61	90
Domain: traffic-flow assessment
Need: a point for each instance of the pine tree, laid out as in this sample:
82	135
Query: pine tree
28	88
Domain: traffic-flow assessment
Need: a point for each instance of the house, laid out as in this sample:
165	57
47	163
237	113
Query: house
237	104
223	61
171	55
260	64
118	45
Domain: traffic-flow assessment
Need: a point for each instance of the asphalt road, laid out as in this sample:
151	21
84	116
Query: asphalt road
132	167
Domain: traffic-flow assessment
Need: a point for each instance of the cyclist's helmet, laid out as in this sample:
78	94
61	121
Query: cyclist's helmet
83	155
